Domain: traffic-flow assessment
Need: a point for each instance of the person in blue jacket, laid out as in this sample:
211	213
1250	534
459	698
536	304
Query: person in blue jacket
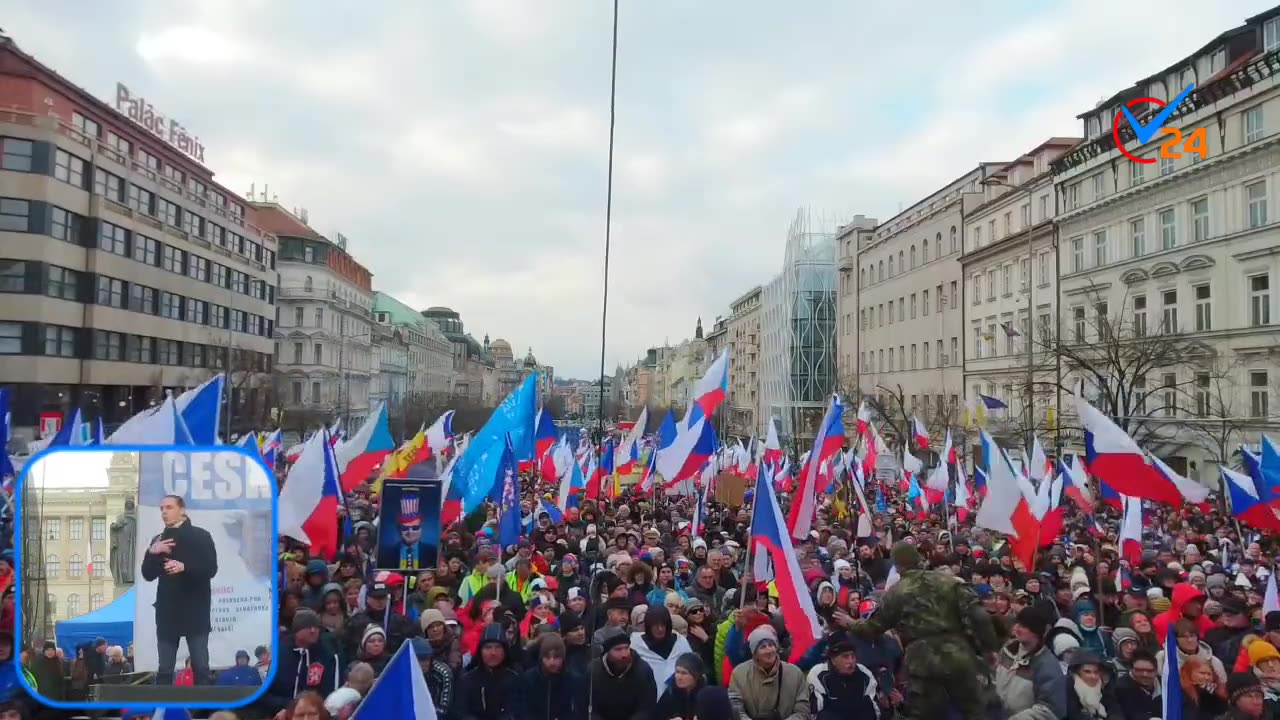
243	674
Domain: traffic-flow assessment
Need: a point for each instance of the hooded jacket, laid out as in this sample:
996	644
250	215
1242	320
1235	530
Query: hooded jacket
833	696
629	694
659	655
1183	593
550	697
299	669
489	693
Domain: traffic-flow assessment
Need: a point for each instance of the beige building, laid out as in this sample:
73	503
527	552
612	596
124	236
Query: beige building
125	268
1010	266
74	531
909	311
744	364
1185	247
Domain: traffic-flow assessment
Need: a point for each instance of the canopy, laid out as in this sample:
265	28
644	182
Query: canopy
113	621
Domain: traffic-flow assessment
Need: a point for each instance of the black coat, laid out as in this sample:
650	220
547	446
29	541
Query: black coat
183	600
551	697
630	695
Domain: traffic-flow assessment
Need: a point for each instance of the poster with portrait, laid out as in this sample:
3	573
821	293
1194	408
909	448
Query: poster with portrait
409	528
228	495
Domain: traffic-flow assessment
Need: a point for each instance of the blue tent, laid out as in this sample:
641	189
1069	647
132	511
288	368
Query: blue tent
113	621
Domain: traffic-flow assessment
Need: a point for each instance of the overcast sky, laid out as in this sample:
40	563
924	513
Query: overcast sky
461	145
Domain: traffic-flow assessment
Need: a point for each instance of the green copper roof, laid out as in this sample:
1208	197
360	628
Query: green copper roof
401	314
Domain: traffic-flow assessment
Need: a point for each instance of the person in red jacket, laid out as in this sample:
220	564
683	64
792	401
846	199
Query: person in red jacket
1187	602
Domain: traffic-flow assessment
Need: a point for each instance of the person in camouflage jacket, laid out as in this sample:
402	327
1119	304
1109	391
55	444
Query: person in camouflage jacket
945	634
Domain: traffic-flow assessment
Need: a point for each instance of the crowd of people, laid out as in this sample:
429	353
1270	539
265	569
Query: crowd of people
620	612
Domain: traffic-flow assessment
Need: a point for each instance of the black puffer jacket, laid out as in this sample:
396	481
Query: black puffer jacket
487	693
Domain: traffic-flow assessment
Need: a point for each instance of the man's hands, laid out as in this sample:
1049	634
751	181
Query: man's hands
161	547
173	567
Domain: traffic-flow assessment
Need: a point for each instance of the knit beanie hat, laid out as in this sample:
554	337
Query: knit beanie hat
1260	650
1032	619
692	664
551	644
759	636
371	630
1242	683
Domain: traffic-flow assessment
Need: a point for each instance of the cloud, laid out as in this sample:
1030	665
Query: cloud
462	148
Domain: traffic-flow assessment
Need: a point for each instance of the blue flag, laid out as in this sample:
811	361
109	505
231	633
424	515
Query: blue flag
201	410
509	507
479	466
400	691
6	463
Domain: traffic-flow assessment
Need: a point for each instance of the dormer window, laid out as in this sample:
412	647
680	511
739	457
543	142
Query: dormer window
1091	127
1271	35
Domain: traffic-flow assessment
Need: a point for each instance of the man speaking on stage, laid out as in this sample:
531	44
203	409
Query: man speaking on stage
184	560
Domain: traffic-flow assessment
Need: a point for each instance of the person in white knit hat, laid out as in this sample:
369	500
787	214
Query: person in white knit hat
766	686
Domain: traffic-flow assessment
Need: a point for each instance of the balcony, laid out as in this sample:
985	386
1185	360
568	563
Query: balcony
846	263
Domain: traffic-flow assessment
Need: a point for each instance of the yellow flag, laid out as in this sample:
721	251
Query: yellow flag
1051	417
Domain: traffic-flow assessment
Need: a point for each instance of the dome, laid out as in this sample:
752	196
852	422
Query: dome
529	360
501	350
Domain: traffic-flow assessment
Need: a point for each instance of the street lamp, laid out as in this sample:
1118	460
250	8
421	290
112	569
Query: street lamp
1029	401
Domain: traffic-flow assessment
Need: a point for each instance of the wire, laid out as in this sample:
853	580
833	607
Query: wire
608	222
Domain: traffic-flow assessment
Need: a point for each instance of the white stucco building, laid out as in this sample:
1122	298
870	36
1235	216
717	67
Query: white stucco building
1186	246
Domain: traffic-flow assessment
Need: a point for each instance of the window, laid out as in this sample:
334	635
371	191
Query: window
63	283
170	305
145	249
1253	130
913	356
1260	300
925	349
1271	35
172	259
95	600
16	154
991	284
151	162
108	185
10	338
1138	395
295	392
1200	220
891	359
1025	271
1044	268
990	337
1100	248
924	248
1102	312
1026	215
1008	223
1077	319
13	275
239	282
890	266
880	315
1138	237
73	605
1044	323
1204	307
59	341
913	306
110	291
1203	404
217	315
1259	394
220	275
913	256
1169	311
238	320
75	567
1140	315
938	291
977	237
193	224
977	342
1169	381
15	215
113	238
1098	188
169	352
65	225
51	566
197	311
1077	254
890	312
121	145
195	355
77	529
955	351
141	349
68	168
1044	207
953	240
977	289
1167	165
1073	196
955	294
1006	280
1168	229
198	267
902	262
924	302
142	299
315	392
1257	196
85	125
1136	173
167	211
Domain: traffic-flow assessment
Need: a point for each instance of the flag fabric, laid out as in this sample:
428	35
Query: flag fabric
158	426
71	434
478	467
363	452
1005	508
1114	458
440	434
544	433
628	452
1270	601
772	447
249	441
6	429
271	445
1009	329
1077	488
649	476
1170	679
940	478
201	409
1038	466
775	559
700	511
1246	505
920	433
509	506
692	447
400	691
711	389
88	556
991	403
828	441
308	503
864	417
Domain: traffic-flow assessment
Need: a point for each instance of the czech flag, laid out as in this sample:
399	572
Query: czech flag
1114	458
920	432
401	686
544	438
775	559
364	451
772	448
1077	485
828	441
271	445
628	452
1246	503
308	505
711	390
1005	508
1131	531
685	457
201	410
864	417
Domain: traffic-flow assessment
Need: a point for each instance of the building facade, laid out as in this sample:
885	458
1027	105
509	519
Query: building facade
430	361
389	369
325	334
475	373
1185	250
743	332
909	303
849	239
126	270
1010	265
798	330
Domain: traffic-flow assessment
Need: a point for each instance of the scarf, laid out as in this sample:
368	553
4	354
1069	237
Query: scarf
1090	697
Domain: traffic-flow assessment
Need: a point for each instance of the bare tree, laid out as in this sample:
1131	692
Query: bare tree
1138	370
